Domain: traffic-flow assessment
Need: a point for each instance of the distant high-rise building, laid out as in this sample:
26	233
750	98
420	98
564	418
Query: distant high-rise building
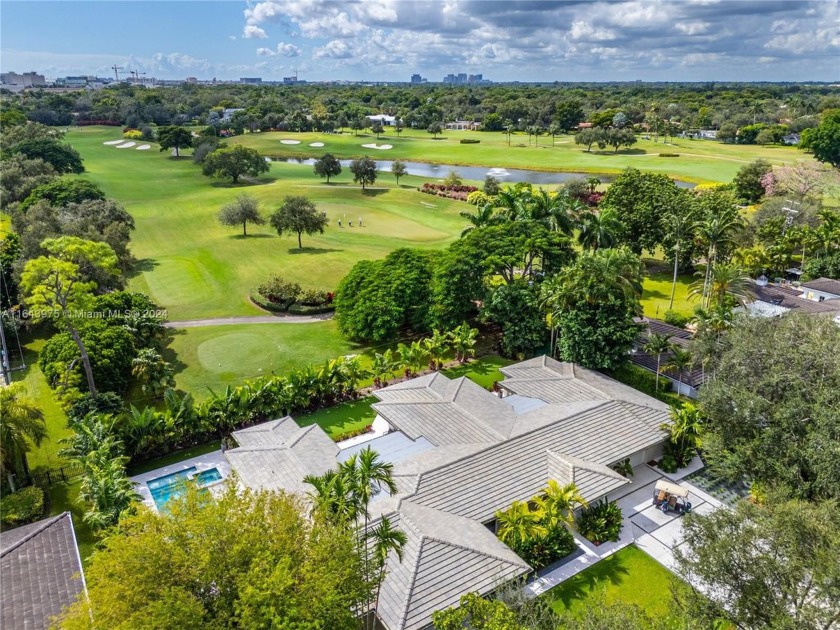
416	78
27	79
475	78
250	80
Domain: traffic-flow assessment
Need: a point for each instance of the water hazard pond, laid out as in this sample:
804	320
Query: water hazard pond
478	173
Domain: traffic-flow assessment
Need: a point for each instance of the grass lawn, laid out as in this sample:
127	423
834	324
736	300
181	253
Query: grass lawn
46	455
174	458
656	294
698	161
484	371
630	576
216	356
64	497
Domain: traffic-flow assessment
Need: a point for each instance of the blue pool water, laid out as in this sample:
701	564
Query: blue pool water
171	486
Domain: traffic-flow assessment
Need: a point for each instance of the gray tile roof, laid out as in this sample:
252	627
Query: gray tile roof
270	433
677	336
41	572
446	556
790	298
592	480
826	285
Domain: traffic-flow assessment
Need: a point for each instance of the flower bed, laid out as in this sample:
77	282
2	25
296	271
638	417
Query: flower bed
458	193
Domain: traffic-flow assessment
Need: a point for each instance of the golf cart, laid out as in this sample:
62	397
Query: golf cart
670	497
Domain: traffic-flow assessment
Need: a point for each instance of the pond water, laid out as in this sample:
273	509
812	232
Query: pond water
478	173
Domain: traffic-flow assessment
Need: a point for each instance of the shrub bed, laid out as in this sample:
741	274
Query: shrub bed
669	155
601	522
307	309
260	301
351	434
459	193
21	507
541	551
469	141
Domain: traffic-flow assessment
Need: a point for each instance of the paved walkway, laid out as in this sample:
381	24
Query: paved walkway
253	319
653	531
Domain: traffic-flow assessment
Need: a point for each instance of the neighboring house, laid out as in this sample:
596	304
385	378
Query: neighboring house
384	119
463	125
41	572
791	139
774	300
686	383
585	125
460	454
227	114
821	289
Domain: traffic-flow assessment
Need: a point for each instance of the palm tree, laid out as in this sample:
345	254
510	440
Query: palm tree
463	341
332	496
512	203
518	524
509	129
436	348
599	230
106	488
677	228
686	429
411	357
559	502
386	539
141	428
680	362
658	344
484	215
725	280
21	421
553	130
351	372
717	231
382	366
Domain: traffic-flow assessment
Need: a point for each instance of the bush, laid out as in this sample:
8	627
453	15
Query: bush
669	155
279	291
313	297
458	192
601	522
133	134
469	141
478	198
21	507
354	433
260	301
541	552
668	463
304	309
676	319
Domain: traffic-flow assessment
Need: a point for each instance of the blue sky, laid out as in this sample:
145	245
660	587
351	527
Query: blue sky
537	40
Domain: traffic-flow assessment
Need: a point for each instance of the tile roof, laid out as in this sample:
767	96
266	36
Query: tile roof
826	285
42	572
679	337
791	299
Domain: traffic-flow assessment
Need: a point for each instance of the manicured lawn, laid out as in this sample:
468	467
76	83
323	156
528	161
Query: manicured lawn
64	497
174	458
46	455
196	268
340	419
698	160
630	576
216	356
484	371
656	294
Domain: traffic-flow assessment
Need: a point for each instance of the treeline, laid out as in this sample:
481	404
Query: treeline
327	107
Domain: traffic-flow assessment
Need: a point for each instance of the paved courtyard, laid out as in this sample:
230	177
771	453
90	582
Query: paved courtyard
652	530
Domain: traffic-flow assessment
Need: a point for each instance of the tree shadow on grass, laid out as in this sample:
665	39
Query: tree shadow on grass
142	266
244	183
374	192
611	570
313	250
240	237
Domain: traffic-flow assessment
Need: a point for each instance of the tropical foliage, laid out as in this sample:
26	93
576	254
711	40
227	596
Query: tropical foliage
601	522
21	424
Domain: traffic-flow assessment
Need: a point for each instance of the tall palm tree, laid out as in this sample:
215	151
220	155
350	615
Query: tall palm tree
518	524
680	362
21	421
599	230
678	227
717	231
332	496
386	539
513	203
725	280
106	488
686	429
559	502
658	344
483	216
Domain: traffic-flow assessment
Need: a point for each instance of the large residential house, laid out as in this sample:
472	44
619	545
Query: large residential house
460	454
815	297
821	289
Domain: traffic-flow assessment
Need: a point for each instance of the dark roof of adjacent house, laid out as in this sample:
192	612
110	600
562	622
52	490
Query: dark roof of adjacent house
826	285
790	298
677	336
42	572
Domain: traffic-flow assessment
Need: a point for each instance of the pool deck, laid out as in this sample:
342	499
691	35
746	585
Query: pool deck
216	459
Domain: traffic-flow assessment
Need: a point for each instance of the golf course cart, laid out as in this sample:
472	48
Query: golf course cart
670	497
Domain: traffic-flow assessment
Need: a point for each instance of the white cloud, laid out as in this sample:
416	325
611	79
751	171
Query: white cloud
336	49
253	32
282	49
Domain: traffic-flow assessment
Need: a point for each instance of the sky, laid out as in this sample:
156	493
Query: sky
389	40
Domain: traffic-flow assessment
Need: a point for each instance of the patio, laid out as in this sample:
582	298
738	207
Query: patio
202	463
655	532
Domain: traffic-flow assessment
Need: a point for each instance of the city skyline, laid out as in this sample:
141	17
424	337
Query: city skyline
390	40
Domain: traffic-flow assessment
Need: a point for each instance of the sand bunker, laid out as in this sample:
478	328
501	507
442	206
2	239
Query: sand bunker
380	147
114	142
144	147
290	142
316	144
127	145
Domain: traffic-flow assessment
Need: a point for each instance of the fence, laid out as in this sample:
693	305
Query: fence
52	476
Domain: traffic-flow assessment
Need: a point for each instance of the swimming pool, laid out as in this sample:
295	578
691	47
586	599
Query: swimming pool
171	486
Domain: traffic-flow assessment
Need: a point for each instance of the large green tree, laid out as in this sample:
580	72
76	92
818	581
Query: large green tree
639	200
174	137
241	211
771	407
234	162
364	171
298	215
770	566
592	305
61	192
514	308
242	560
62	157
327	166
824	141
747	182
55	287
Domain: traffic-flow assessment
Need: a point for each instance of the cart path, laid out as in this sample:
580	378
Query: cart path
254	319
